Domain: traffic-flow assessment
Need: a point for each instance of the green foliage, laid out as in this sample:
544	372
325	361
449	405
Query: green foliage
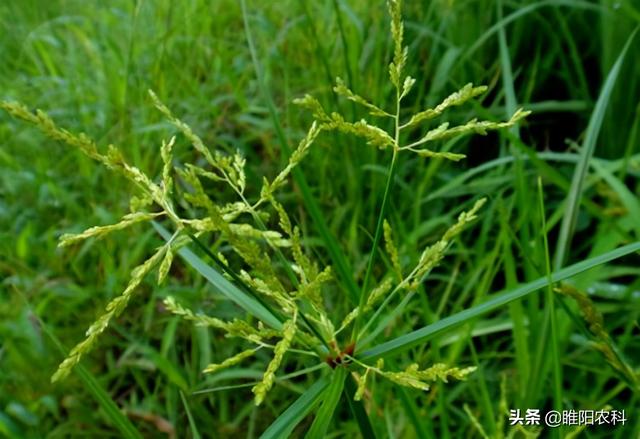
246	240
282	300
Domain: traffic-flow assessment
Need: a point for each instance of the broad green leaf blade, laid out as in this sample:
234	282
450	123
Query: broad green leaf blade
330	397
229	290
287	421
586	153
426	333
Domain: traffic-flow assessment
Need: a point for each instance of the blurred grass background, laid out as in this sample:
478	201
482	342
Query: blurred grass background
89	65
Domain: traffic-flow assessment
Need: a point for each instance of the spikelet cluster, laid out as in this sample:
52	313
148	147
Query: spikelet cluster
273	264
378	137
260	390
231	361
412	376
113	310
240	223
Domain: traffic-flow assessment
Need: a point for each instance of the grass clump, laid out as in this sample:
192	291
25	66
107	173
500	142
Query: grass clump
299	293
264	260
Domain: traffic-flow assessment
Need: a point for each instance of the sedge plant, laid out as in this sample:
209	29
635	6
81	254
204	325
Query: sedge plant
262	263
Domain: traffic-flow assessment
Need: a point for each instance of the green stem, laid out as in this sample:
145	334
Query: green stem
376	239
555	354
381	216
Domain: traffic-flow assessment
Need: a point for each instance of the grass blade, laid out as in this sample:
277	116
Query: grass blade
345	46
192	424
426	333
226	288
507	73
287	421
357	410
520	12
553	322
628	199
119	420
589	145
331	398
376	239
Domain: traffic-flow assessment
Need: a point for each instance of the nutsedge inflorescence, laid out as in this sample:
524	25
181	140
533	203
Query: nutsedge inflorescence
270	263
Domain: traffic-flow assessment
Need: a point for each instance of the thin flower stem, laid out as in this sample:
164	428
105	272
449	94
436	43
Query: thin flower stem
411	146
297	351
364	365
381	216
376	314
278	379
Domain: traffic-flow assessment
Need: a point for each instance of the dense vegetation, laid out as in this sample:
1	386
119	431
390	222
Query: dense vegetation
561	186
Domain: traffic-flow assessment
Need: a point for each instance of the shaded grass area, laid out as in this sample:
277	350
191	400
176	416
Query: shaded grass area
89	65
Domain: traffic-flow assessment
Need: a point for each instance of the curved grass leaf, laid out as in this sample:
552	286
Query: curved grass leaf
589	145
229	290
331	397
628	199
287	421
111	409
192	424
120	421
521	12
426	333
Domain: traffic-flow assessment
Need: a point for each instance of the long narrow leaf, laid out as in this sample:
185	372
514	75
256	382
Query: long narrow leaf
357	409
589	145
287	421
331	397
426	333
120	421
628	199
226	288
111	409
517	14
192	423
